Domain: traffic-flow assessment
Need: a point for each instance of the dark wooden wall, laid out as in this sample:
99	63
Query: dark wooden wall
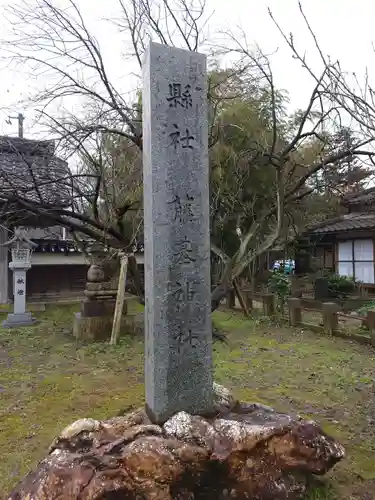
56	281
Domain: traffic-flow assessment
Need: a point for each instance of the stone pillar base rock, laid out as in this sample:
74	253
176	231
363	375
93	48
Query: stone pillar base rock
246	450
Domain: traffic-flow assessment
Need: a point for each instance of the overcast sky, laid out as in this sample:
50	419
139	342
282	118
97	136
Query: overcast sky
345	30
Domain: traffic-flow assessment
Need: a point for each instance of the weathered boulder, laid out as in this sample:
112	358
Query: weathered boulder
246	451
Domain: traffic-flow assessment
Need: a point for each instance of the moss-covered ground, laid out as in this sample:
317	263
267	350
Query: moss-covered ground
47	381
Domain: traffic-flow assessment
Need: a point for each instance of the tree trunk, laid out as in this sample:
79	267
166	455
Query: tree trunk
221	290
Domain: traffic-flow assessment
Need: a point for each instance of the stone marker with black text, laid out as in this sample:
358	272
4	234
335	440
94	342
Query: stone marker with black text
178	364
21	248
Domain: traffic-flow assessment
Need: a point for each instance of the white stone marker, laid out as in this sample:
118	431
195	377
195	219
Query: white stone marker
21	248
178	360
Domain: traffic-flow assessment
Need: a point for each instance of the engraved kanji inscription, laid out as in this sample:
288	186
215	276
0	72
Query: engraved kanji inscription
20	281
20	292
180	96
182	293
183	211
184	252
183	139
185	336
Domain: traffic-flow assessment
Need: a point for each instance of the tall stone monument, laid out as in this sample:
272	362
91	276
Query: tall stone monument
178	361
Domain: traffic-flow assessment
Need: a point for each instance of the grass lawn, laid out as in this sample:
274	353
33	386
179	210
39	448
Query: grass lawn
47	381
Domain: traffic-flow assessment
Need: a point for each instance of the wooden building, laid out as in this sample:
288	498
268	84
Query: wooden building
31	171
58	269
346	244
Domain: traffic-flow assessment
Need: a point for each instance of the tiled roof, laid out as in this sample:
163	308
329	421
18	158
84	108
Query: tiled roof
345	223
367	196
30	170
45	233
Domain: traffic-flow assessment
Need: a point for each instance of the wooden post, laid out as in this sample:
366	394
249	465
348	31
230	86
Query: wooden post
295	312
330	319
119	300
269	304
240	298
371	325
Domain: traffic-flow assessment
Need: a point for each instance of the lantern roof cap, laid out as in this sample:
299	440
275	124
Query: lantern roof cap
20	237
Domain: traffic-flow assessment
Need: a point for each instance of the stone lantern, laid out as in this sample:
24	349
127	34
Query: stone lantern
94	321
21	249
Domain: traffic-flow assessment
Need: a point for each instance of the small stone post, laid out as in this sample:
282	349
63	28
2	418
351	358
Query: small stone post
295	311
330	319
21	249
269	304
371	325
